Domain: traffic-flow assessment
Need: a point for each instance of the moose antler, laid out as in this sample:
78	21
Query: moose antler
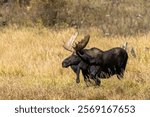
69	43
80	45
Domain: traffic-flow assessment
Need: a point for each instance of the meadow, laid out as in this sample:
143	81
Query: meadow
30	66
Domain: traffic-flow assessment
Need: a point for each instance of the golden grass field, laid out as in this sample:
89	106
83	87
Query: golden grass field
30	66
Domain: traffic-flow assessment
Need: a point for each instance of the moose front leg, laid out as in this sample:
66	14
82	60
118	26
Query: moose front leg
78	75
86	77
94	74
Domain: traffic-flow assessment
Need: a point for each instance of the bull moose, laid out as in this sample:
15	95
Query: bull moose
95	63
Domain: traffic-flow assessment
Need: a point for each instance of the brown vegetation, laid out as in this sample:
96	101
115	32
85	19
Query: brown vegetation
112	17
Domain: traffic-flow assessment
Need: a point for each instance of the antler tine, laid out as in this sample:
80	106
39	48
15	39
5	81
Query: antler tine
68	45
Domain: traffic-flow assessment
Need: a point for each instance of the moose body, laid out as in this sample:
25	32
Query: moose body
97	64
106	63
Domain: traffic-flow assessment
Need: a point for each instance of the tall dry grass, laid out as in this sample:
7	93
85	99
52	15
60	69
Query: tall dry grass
30	66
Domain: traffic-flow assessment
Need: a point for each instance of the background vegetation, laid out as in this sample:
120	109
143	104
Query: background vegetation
112	17
31	38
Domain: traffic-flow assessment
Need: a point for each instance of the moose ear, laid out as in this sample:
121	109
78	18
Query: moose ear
82	44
